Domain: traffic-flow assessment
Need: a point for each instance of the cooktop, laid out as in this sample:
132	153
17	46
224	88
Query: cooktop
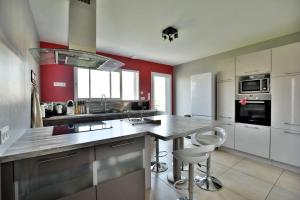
79	128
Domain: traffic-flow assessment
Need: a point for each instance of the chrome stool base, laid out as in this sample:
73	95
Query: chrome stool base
185	198
208	183
159	167
170	178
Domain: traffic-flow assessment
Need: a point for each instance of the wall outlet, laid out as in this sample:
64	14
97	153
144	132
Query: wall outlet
4	134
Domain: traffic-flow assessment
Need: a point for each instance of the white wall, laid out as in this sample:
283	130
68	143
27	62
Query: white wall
183	72
17	34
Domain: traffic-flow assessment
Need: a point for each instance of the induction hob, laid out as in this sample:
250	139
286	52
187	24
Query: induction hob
79	128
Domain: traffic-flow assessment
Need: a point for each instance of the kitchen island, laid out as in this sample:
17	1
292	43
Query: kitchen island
110	156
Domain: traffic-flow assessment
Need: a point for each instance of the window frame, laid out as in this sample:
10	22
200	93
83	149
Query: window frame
135	85
76	98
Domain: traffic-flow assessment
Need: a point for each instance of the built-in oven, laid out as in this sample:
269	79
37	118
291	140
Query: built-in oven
254	84
253	109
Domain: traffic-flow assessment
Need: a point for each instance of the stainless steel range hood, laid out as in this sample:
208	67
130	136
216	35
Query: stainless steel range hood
82	41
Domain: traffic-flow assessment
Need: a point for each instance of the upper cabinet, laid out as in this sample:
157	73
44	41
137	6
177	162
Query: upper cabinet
285	102
226	70
254	63
225	101
286	60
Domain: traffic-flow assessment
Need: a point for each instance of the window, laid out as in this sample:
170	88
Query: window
130	85
94	84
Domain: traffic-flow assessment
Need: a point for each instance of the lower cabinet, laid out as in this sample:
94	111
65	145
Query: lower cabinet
229	128
127	187
54	176
285	146
252	139
87	194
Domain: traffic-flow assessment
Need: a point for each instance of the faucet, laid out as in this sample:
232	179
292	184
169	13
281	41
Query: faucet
103	101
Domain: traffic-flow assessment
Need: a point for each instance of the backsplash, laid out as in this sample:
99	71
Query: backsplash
95	107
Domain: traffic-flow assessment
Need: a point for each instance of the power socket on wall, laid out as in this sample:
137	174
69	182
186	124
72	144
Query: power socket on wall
4	134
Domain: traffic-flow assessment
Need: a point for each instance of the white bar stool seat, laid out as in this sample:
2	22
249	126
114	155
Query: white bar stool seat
192	156
217	139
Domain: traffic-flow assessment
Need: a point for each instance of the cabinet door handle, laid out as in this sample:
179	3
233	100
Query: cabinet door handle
291	124
253	127
57	158
289	132
122	144
292	73
251	71
225	117
225	80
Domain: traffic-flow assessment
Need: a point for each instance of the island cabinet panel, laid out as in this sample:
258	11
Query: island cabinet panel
130	186
120	170
54	176
117	159
254	63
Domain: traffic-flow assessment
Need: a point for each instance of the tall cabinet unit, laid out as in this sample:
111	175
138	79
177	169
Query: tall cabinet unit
285	88
225	98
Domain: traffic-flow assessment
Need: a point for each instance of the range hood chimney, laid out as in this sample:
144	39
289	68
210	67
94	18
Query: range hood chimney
82	41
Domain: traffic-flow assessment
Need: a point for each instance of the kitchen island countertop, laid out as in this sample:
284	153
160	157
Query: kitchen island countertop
40	141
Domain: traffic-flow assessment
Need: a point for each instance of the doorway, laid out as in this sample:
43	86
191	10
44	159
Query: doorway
161	85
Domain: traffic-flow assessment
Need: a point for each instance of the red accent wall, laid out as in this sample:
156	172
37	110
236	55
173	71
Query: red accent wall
61	73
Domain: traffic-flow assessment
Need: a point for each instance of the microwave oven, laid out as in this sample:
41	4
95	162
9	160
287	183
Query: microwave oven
254	84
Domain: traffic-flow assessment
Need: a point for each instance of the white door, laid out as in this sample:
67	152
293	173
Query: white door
161	85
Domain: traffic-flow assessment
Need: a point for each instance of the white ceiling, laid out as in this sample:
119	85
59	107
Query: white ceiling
133	28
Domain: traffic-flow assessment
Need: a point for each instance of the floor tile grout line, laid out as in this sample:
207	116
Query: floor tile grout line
255	176
274	184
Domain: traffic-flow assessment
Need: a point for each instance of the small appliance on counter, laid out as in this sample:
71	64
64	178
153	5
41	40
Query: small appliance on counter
60	109
70	107
140	105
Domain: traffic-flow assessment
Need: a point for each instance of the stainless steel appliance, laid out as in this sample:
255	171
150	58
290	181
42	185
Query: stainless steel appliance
254	84
253	109
79	128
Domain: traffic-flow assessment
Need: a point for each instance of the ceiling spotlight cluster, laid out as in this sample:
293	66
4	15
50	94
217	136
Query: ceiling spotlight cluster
170	33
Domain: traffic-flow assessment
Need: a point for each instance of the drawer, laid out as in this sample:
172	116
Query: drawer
42	165
285	146
120	158
128	187
54	176
252	139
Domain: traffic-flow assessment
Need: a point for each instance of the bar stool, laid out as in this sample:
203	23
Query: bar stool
192	156
158	166
215	138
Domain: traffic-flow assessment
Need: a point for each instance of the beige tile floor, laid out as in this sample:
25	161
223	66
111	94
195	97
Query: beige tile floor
243	179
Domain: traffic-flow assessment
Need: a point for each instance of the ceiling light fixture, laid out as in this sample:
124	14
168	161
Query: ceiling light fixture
170	33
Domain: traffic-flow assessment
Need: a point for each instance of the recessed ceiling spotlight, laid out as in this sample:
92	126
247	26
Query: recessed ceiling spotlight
170	33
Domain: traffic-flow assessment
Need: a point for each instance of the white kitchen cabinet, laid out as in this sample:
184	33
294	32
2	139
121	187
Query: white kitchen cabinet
285	146
252	139
229	128
225	70
254	63
286	60
225	101
286	102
